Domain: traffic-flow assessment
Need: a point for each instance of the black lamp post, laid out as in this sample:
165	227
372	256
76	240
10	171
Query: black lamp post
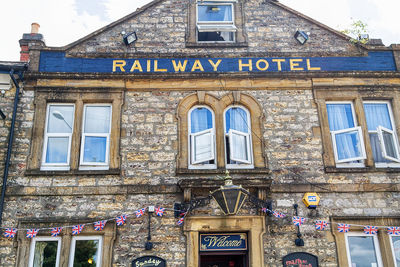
230	197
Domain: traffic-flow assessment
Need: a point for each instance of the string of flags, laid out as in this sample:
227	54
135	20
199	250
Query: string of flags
10	232
320	225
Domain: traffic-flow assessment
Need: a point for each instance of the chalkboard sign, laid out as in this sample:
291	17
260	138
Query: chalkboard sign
148	261
300	259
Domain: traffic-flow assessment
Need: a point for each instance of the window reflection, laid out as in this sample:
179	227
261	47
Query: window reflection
362	251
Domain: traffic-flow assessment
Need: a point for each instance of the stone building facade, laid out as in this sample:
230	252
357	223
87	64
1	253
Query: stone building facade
106	128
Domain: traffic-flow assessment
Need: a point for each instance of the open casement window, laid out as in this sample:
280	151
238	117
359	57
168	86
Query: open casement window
363	250
215	21
86	251
383	138
45	251
57	137
201	138
95	143
238	145
347	137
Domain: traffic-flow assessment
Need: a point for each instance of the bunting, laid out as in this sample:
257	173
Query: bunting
10	232
343	228
56	231
160	211
298	220
120	220
321	225
31	233
77	229
370	230
99	226
140	212
393	230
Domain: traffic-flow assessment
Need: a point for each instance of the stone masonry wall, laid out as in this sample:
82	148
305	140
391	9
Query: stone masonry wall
149	145
269	28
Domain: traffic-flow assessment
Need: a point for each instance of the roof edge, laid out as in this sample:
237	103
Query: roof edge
103	29
326	27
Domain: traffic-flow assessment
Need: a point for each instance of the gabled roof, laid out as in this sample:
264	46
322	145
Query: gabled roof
155	2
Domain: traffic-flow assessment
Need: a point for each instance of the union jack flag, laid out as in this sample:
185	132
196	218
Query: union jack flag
140	212
98	226
370	230
77	229
298	220
343	228
278	214
56	231
10	232
120	220
393	230
321	225
264	210
31	233
160	211
180	221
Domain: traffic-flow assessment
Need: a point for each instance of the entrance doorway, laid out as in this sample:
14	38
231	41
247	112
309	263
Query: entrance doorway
227	259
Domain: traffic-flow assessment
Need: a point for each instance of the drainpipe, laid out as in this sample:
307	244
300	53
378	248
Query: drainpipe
10	142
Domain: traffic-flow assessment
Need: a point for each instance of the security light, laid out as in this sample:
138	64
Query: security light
130	38
301	37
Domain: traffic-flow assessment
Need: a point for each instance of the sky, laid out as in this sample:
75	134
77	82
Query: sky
63	22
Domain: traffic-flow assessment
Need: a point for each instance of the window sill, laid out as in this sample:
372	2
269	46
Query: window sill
360	170
210	45
222	171
37	172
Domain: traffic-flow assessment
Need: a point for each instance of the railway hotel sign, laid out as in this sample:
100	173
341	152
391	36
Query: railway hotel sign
59	62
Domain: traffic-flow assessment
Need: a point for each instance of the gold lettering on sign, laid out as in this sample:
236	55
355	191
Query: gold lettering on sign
119	63
149	262
215	65
156	69
136	66
179	67
197	66
294	64
266	64
279	62
249	65
221	241
309	66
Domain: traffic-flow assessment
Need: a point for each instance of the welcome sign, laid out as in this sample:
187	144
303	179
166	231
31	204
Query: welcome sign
216	242
59	62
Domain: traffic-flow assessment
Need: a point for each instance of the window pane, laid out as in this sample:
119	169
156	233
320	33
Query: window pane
203	147
97	119
200	119
376	148
340	116
239	147
236	119
57	150
86	253
45	254
377	114
362	251
95	149
389	144
214	12
215	36
348	145
396	249
60	119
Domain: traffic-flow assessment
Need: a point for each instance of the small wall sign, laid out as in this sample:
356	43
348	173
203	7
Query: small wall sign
300	259
218	242
149	261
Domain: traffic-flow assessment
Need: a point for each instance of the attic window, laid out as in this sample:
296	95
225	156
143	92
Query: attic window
215	22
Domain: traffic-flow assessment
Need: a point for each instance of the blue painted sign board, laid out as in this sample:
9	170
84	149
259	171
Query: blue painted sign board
218	242
58	62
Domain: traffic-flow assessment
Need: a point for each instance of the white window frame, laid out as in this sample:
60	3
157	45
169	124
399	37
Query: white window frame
57	166
392	247
216	26
249	165
394	164
73	245
40	238
382	144
198	165
357	129
347	164
232	147
208	132
376	245
95	165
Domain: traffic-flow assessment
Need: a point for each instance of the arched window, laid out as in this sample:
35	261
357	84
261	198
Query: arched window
201	138
238	144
